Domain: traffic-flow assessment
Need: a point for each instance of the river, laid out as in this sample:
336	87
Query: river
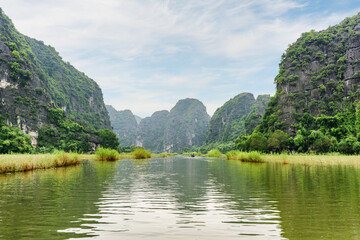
181	198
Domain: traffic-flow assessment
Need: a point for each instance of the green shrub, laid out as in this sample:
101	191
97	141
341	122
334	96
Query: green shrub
214	153
141	153
253	156
106	154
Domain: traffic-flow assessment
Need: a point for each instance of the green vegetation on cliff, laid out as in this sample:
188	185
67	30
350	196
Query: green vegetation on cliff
184	126
64	134
316	105
124	125
238	116
35	81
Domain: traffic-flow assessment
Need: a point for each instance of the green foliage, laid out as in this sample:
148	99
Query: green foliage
126	149
214	153
238	116
108	139
64	134
278	141
346	145
106	154
141	153
320	58
124	125
244	156
13	140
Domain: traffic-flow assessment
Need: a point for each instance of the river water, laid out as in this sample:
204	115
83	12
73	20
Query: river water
181	198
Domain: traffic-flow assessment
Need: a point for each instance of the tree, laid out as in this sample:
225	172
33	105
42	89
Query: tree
13	140
278	141
257	142
108	139
347	145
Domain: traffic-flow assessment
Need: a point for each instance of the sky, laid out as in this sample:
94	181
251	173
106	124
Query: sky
148	54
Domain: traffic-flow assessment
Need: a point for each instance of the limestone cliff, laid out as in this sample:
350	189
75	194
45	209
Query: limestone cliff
238	116
184	126
34	79
319	74
124	125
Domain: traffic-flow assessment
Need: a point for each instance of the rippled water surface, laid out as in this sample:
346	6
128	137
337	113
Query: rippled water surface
181	198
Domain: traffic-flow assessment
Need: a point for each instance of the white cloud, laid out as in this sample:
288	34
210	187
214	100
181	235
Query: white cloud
148	54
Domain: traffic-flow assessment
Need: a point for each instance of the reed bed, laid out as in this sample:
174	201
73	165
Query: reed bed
141	153
245	156
106	154
215	153
26	162
304	159
163	155
312	159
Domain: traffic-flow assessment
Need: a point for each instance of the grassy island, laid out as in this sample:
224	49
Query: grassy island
26	162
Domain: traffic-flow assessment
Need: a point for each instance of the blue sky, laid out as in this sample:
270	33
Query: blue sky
146	55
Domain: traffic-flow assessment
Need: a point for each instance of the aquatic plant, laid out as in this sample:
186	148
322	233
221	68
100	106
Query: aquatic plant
214	153
253	156
141	153
106	154
27	162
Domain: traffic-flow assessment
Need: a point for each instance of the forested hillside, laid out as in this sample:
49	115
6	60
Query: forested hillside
46	97
317	93
238	116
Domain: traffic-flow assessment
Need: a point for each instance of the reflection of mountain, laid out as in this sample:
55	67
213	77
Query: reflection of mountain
37	204
177	198
318	202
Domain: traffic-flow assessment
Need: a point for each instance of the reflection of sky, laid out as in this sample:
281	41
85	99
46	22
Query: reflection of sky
146	55
167	199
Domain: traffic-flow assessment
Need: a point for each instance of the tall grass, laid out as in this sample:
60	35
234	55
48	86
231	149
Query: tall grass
106	154
245	156
25	162
304	159
214	153
141	153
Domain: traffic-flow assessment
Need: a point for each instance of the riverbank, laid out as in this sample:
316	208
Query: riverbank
26	162
304	159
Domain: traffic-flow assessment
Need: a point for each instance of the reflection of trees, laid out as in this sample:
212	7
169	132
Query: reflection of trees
315	202
245	187
38	203
318	202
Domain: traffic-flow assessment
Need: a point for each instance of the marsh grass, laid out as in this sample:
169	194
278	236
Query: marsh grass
304	159
141	153
106	154
245	156
215	153
26	162
163	155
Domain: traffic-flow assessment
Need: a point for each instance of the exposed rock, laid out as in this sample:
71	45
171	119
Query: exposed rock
124	125
184	126
33	78
319	74
238	116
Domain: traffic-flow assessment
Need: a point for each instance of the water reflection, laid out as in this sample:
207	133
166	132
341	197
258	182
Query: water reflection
34	205
180	198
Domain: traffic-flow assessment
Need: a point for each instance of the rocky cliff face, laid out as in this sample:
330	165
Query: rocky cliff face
319	74
151	130
33	79
238	116
124	125
184	126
